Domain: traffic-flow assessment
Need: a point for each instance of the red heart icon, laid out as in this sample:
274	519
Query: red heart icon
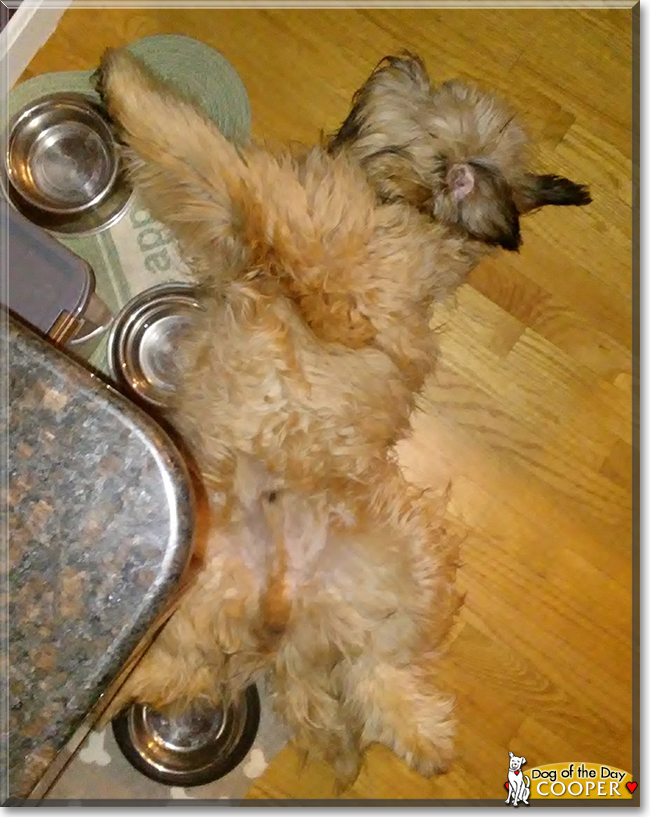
507	786
517	772
631	786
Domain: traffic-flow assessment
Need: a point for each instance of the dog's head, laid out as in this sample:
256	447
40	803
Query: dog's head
516	762
453	152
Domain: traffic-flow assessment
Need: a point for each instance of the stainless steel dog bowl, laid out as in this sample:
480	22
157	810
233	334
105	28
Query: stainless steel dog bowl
61	165
191	750
143	340
61	156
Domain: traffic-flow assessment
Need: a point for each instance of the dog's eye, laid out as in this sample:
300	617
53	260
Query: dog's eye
272	496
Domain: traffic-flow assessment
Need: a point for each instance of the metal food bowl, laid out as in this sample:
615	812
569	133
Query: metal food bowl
142	344
61	165
196	748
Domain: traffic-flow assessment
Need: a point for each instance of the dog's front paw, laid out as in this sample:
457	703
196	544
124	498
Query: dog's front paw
98	79
121	81
100	82
113	61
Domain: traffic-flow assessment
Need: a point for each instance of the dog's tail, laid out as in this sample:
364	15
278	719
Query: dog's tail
239	206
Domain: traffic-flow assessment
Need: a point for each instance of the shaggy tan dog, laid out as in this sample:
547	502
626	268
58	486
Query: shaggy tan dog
324	569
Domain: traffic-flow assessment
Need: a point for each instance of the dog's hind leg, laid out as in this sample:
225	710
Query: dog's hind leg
308	702
403	711
177	669
205	651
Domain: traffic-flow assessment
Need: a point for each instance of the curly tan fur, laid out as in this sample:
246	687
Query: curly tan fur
324	569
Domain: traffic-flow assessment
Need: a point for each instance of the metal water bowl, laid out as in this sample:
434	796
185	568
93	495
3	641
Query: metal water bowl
142	345
193	749
61	165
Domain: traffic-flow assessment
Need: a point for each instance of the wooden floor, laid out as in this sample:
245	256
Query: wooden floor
530	410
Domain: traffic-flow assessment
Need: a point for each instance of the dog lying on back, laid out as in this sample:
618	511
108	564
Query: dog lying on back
325	570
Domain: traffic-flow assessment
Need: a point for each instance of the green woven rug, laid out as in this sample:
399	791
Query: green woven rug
137	252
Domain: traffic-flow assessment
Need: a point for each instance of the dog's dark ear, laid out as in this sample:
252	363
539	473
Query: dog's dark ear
479	200
394	77
538	191
410	65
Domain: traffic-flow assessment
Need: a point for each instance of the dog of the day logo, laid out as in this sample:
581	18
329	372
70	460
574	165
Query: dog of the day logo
567	781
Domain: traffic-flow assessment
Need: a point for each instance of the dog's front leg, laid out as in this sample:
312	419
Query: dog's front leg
184	169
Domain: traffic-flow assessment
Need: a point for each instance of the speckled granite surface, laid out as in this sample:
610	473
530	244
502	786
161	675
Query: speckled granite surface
100	516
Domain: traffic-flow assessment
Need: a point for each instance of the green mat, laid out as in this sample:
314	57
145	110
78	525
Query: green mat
137	252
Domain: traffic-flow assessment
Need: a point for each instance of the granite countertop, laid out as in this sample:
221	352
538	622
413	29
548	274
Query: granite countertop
100	519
